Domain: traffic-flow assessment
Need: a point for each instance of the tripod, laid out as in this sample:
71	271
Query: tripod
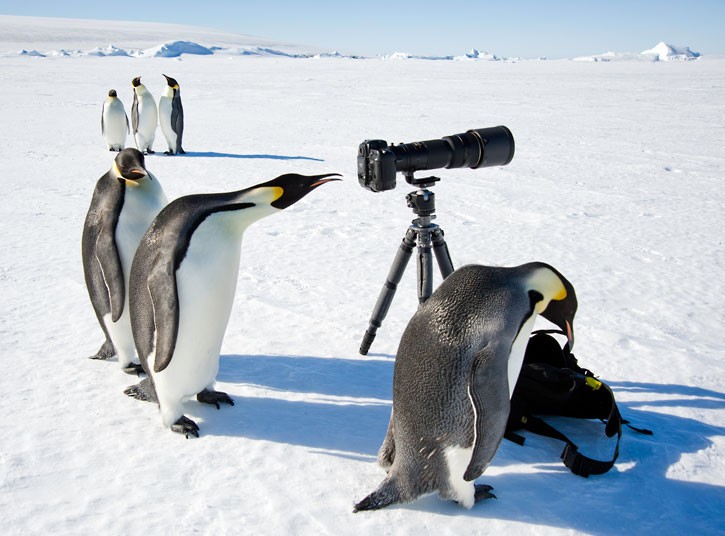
428	237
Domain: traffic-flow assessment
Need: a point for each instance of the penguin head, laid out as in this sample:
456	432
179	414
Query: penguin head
171	82
291	187
555	298
112	93
136	81
130	165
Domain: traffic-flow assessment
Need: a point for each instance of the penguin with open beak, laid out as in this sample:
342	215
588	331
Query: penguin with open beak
183	282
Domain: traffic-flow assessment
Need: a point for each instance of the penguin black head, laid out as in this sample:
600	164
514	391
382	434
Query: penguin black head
136	81
294	187
171	82
562	308
112	93
131	164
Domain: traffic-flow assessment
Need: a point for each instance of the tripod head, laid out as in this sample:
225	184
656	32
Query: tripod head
422	201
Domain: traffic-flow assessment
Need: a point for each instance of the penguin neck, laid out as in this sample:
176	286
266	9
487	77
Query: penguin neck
169	92
235	217
146	186
239	210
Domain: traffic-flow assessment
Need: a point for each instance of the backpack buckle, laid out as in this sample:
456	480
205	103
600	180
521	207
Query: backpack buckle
592	382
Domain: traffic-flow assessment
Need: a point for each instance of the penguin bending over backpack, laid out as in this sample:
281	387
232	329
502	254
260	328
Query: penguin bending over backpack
455	371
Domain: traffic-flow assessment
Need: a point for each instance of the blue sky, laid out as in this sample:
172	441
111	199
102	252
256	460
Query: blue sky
528	29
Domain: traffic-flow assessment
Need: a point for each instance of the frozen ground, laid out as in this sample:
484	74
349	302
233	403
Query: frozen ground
617	181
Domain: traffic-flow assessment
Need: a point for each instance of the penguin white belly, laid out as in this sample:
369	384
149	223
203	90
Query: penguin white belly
141	204
518	349
165	122
114	125
457	460
147	120
206	283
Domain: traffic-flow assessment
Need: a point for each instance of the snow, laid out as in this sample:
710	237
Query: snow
617	181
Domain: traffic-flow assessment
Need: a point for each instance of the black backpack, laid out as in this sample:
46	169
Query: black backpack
551	382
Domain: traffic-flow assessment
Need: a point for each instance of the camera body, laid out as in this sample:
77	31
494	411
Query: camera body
377	162
376	166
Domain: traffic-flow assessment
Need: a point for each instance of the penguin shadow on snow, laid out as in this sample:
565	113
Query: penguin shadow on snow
212	154
346	409
341	405
640	493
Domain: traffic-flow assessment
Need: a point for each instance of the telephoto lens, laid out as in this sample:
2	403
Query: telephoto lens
483	147
377	162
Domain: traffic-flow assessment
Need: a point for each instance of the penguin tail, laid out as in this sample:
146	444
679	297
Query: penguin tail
388	493
143	390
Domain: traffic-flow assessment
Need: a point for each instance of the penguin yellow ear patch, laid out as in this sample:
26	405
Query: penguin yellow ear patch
266	194
277	192
561	294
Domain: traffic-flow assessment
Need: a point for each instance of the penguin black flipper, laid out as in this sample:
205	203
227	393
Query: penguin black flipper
134	113
491	406
165	302
99	233
110	261
177	122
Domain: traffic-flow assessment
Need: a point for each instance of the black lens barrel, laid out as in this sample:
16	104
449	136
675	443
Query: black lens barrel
483	147
498	146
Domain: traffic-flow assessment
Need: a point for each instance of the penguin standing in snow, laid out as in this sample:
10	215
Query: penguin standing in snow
171	116
125	202
114	122
144	117
456	368
183	282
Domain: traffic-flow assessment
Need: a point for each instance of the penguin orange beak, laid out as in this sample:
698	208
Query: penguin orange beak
322	181
569	334
134	174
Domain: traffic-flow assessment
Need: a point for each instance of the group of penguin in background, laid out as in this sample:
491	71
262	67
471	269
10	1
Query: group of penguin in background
162	278
145	116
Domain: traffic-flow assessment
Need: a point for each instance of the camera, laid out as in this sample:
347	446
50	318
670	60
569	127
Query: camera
378	162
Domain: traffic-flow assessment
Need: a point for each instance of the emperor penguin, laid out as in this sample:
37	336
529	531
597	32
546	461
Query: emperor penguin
171	116
144	117
125	202
183	281
114	122
455	370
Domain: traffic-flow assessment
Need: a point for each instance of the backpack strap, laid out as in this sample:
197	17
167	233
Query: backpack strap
578	463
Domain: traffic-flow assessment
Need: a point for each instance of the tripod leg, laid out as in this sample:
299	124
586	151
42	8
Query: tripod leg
425	265
440	249
388	291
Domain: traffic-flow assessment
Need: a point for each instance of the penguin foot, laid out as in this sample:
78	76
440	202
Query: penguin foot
133	368
142	391
181	151
207	396
185	426
149	151
483	491
168	152
105	352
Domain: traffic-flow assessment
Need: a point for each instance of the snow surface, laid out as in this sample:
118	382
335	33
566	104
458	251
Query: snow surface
617	181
